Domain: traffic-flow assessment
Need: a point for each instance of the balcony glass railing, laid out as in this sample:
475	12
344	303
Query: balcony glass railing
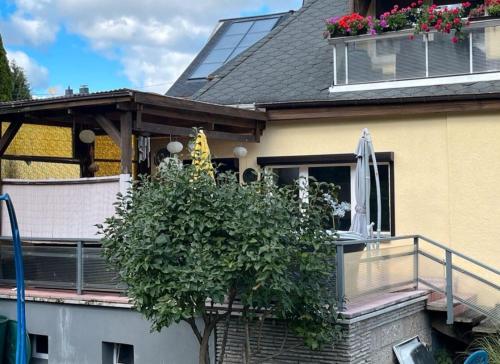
60	264
394	56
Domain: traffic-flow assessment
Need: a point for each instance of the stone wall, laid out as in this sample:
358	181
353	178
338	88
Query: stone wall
367	339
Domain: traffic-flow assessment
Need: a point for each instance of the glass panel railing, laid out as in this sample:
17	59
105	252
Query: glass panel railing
386	59
447	58
387	269
486	49
56	266
97	274
393	56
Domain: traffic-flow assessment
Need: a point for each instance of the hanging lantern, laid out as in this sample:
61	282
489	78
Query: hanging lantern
87	136
240	152
175	147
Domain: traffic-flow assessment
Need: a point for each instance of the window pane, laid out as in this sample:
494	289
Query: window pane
229	41
218	55
205	69
237	51
263	25
340	176
383	172
239	28
286	176
252	38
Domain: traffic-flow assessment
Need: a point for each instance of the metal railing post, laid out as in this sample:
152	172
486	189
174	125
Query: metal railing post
415	261
449	288
79	267
340	277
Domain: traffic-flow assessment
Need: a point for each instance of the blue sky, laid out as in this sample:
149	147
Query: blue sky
143	45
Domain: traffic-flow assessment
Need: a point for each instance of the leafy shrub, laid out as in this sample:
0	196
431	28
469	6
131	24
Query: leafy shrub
185	244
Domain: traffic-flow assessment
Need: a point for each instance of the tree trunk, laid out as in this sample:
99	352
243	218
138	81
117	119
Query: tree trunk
204	354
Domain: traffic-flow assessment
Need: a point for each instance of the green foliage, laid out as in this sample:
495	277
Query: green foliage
5	75
183	243
490	344
494	10
20	84
442	356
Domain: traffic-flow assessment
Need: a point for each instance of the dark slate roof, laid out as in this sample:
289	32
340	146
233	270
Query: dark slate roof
293	65
294	62
185	87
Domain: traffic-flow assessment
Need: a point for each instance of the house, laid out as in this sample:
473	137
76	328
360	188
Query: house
297	103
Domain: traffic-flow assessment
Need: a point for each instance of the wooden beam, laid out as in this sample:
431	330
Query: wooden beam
203	107
62	105
201	117
34	158
342	112
110	129
9	135
126	143
181	131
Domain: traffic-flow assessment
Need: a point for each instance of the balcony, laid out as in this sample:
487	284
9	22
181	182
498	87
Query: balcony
393	59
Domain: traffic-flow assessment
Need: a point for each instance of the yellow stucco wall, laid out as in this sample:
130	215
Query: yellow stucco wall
447	170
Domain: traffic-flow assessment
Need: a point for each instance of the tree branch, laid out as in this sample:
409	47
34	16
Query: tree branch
191	321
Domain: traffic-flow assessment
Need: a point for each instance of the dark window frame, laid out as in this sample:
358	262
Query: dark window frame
333	159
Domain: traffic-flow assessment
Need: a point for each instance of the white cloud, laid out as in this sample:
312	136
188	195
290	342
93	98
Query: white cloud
38	76
154	40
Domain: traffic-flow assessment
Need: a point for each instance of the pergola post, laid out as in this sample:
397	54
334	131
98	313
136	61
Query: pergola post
126	151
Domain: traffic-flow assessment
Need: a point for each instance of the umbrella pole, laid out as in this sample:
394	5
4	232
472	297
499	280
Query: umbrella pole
377	185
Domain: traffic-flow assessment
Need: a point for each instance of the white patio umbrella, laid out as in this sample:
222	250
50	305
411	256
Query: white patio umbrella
361	222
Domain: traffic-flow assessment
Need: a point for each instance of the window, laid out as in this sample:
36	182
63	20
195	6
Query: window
343	175
39	348
239	36
116	353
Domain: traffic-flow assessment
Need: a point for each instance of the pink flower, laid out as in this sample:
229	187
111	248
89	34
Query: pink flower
413	5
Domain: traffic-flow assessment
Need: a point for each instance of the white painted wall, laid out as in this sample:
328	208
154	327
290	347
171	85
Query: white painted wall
60	209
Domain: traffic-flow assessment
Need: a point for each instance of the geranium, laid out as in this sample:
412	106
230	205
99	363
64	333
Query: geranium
442	20
353	24
396	19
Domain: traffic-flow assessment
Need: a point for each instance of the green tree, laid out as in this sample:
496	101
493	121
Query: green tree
5	75
189	247
20	85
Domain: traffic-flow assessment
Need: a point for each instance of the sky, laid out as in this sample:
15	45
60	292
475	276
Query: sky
110	44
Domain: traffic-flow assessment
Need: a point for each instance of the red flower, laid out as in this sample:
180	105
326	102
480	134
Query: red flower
413	5
466	4
420	2
457	21
454	40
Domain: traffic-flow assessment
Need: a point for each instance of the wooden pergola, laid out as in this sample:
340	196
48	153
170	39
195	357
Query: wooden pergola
125	112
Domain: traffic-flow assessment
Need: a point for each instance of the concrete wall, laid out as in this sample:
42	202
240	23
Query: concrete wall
446	169
369	340
76	333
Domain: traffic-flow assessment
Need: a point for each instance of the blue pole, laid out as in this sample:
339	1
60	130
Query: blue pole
18	258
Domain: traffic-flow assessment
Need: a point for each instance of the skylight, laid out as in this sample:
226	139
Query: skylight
239	36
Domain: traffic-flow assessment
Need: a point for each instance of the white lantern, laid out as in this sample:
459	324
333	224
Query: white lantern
175	147
240	152
87	136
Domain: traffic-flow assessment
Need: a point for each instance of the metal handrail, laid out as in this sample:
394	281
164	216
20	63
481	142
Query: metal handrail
447	263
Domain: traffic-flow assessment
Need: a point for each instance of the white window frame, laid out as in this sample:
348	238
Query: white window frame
34	352
304	175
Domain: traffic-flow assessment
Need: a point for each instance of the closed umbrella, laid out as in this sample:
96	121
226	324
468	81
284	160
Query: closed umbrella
361	220
201	155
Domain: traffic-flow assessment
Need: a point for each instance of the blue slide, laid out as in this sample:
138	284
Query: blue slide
18	256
